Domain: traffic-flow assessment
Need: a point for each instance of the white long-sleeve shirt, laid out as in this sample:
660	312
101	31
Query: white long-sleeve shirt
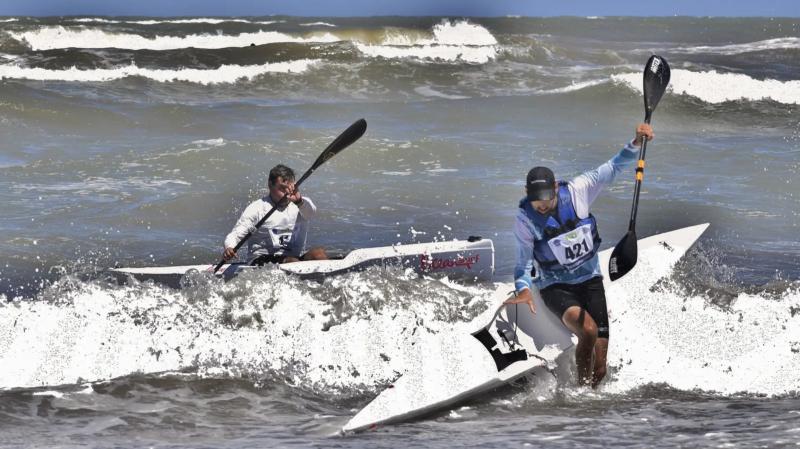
583	190
283	234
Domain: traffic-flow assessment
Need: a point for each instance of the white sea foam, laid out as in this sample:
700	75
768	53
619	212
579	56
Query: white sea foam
13	19
459	41
223	74
662	337
573	87
211	21
324	24
218	142
450	53
427	91
54	37
714	87
97	186
96	333
781	43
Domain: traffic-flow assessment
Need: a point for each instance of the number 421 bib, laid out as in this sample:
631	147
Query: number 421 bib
573	248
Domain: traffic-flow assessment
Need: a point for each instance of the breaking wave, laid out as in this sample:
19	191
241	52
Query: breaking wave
782	43
715	87
459	41
223	75
57	37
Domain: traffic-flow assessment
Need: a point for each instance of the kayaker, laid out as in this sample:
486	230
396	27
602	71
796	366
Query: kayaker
282	238
557	245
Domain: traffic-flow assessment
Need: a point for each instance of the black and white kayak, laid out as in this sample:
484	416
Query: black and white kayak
471	259
507	342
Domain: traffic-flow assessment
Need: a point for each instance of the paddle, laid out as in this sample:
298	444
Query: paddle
625	254
345	139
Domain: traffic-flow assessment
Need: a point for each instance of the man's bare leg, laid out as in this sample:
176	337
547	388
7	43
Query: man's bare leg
316	253
600	360
581	324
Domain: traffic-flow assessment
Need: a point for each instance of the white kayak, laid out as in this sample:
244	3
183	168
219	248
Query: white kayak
471	259
505	343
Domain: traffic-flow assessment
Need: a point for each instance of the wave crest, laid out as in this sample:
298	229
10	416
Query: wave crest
59	37
783	43
459	41
715	87
222	75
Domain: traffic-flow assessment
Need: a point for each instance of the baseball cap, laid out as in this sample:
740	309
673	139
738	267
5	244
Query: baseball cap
539	184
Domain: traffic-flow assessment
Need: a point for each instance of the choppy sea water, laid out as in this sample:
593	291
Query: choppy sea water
138	141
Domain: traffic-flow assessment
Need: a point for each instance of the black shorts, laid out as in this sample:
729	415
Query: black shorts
589	295
267	259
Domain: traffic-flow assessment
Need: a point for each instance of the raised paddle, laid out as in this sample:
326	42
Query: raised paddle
345	139
625	254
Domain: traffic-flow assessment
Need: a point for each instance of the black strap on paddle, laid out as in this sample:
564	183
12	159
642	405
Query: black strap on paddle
625	254
345	139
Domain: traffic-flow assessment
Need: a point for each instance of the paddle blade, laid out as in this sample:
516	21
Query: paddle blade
656	79
624	256
345	139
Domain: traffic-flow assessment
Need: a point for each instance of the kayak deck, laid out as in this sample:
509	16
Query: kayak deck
471	260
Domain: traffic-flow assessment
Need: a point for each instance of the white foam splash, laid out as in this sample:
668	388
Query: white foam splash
714	87
781	43
460	41
97	333
222	75
55	37
9	20
661	337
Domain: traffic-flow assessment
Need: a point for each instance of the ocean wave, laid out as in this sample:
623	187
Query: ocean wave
574	87
174	21
58	37
782	43
102	185
714	87
13	19
87	331
222	75
312	24
459	41
427	91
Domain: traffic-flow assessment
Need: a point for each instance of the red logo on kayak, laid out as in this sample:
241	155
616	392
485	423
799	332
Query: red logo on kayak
436	263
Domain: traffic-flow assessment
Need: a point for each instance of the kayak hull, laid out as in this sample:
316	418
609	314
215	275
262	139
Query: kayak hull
471	260
505	343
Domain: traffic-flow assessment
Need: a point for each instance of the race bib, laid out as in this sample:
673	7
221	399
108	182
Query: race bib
574	247
281	237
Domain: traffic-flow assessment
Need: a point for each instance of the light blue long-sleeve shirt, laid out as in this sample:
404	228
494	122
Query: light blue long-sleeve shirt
583	190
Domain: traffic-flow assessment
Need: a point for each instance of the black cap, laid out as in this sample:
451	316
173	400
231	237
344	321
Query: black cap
540	184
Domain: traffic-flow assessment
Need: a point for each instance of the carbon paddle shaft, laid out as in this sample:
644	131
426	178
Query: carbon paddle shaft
639	179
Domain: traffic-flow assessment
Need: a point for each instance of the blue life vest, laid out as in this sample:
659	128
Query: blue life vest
567	241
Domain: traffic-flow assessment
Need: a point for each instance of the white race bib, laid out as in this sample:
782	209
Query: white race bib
574	247
281	237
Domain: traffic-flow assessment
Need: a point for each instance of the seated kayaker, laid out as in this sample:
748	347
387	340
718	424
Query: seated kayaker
282	238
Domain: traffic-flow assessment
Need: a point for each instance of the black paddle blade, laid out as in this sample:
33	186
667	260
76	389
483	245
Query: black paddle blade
345	139
656	79
624	256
